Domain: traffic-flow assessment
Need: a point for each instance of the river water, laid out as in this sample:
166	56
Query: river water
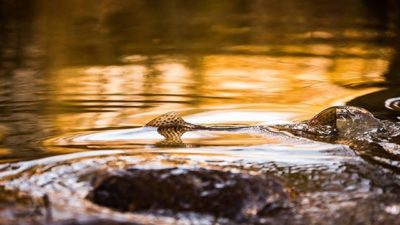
83	77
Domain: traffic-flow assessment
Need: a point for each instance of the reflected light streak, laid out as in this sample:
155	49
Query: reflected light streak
240	117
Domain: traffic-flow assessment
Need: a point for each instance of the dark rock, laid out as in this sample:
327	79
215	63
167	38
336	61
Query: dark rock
221	194
93	221
382	209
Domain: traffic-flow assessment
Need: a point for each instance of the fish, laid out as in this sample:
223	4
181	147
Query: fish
372	139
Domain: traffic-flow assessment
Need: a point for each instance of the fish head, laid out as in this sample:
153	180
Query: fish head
354	121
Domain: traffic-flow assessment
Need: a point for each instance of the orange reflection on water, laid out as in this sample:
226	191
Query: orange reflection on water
114	95
284	81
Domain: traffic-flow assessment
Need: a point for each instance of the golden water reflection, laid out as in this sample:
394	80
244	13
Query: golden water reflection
132	93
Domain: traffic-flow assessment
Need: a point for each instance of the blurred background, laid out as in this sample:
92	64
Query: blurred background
87	65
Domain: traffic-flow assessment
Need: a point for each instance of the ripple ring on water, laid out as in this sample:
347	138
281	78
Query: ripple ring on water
393	103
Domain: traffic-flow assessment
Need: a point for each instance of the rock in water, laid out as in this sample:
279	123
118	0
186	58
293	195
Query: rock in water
218	193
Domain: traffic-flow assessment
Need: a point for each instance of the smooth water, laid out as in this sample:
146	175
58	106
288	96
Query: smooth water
83	77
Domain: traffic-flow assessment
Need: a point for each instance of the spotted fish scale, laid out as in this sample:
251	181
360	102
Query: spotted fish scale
325	117
170	119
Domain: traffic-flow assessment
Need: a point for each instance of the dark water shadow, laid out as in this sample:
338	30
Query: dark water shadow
385	103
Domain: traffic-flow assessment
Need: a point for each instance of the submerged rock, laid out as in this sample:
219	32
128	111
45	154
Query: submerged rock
221	194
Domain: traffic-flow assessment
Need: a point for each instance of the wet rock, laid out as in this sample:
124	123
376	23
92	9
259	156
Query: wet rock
387	211
383	209
166	191
93	221
20	209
